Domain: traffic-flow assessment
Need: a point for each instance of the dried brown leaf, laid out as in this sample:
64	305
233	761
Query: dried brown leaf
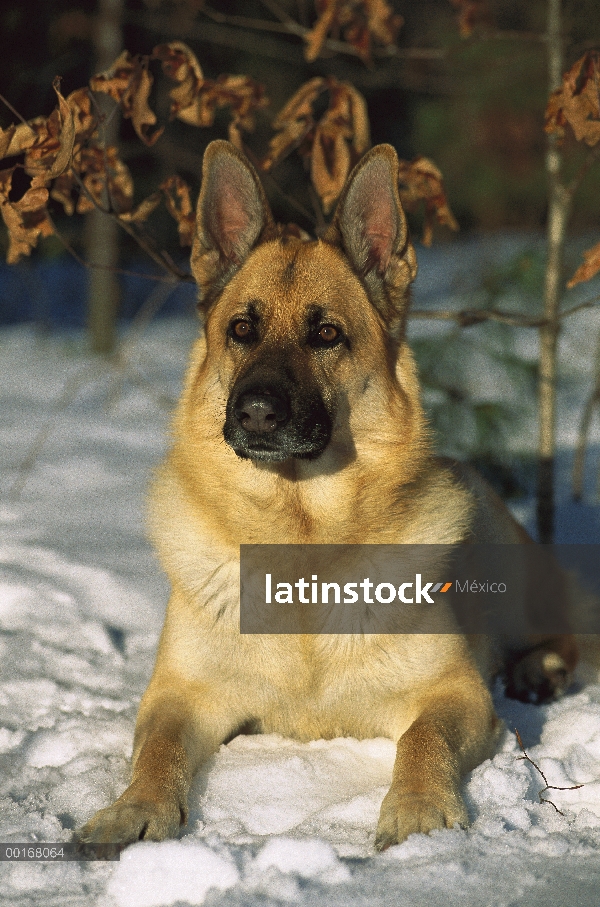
299	106
359	21
66	135
143	211
330	146
142	116
234	134
116	81
589	268
421	182
6	137
384	24
176	193
471	13
80	103
577	101
285	142
26	220
241	94
47	142
62	191
329	165
107	180
24	135
129	83
180	64
328	14
359	115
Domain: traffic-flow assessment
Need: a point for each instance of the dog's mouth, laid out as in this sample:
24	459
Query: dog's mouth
272	422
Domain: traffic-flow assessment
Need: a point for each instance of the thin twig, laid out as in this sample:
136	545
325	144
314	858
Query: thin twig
548	786
85	191
103	126
588	304
102	118
14	112
271	181
256	24
512	35
165	262
280	13
92	266
289	26
161	259
468	317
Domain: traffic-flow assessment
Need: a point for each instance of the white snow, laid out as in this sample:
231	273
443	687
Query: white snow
272	821
153	874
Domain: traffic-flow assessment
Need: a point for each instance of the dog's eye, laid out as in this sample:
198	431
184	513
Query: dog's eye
242	330
328	333
325	336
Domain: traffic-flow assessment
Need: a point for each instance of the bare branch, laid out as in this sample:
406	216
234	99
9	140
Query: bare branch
246	22
14	112
512	35
160	258
92	266
278	12
467	317
270	181
548	786
231	31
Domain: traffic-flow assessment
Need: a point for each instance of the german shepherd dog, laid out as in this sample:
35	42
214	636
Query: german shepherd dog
300	422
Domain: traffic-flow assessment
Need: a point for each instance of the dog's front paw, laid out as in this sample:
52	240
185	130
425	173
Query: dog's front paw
403	814
130	819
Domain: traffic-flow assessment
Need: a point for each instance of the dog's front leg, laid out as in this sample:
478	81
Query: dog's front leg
177	730
454	732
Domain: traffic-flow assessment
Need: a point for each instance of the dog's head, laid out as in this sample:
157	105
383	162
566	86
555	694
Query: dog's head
295	330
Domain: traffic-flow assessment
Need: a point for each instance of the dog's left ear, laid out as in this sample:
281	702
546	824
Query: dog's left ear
232	216
370	225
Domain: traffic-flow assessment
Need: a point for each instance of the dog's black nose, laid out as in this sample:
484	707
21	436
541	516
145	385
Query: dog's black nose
260	412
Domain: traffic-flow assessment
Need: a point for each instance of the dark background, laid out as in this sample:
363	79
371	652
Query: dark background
475	107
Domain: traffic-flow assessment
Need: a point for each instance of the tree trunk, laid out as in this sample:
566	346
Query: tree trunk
101	233
558	212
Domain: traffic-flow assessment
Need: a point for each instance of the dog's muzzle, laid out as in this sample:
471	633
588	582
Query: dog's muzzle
275	420
261	413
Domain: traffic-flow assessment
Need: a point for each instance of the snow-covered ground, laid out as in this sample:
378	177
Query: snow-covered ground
272	821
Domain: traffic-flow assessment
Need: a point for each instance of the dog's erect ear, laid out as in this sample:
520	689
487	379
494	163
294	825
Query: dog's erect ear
370	225
232	215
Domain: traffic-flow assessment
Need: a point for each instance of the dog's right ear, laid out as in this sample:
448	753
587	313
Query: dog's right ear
232	216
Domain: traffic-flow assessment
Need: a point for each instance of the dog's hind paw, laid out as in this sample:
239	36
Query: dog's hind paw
128	820
538	676
406	814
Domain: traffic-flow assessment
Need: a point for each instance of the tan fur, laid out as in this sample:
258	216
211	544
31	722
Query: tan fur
375	482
